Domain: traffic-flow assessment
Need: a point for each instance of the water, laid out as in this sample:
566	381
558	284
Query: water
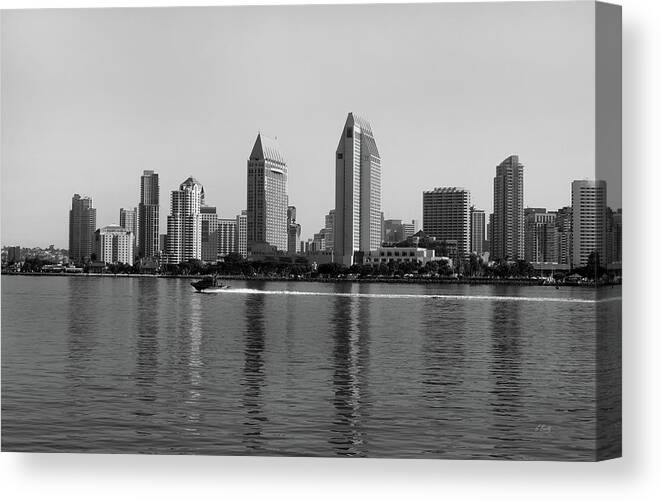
144	365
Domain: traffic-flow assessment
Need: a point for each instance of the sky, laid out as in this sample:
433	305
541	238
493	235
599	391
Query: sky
92	97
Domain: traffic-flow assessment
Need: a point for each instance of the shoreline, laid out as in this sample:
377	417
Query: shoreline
458	281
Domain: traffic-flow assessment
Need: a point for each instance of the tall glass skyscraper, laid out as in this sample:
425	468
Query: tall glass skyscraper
267	195
508	222
148	215
82	224
357	192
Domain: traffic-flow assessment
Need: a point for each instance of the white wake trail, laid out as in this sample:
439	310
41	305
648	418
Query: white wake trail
447	297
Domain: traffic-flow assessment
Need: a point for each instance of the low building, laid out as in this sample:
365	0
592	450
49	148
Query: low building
400	255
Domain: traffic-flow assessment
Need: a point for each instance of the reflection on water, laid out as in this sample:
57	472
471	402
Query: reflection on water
253	372
505	370
146	365
350	352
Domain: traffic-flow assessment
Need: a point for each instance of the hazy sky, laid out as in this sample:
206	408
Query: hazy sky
90	98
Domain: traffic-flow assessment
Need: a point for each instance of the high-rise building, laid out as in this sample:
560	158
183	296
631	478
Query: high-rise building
242	233
540	237
227	241
588	201
446	216
293	230
267	195
508	230
14	254
148	215
614	229
563	227
82	223
357	191
409	229
184	240
393	231
114	244
128	219
209	225
490	236
477	230
329	227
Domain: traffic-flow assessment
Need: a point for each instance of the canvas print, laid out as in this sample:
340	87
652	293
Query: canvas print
338	231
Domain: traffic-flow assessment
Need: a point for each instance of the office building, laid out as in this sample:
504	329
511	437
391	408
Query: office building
114	244
227	242
446	216
540	236
588	201
82	224
128	219
242	234
563	228
508	225
357	192
184	240
614	235
329	227
209	228
293	230
267	196
477	239
148	215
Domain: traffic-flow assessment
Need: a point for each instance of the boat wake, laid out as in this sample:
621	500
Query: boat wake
447	297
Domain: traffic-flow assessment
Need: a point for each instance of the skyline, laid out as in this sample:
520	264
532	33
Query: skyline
183	105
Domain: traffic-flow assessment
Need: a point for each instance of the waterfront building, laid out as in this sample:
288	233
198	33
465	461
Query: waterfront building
128	219
293	230
267	195
588	198
563	227
614	235
393	231
319	241
184	240
384	255
329	227
148	215
209	235
540	236
242	234
508	225
446	216
14	254
82	224
114	244
477	226
227	241
357	191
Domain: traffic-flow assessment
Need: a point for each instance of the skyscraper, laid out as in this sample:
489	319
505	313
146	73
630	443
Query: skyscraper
242	233
128	219
267	195
588	201
227	241
293	230
540	242
82	223
563	227
148	215
477	230
184	238
357	191
508	224
329	226
446	216
209	236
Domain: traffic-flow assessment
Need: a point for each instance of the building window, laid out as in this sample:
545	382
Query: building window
349	132
340	156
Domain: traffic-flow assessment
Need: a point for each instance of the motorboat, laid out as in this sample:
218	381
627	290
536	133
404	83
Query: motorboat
209	284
